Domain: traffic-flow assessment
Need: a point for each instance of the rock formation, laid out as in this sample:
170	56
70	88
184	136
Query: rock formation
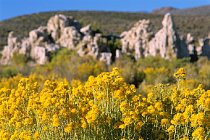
93	45
190	43
165	43
61	31
137	38
10	49
205	51
58	23
37	46
139	41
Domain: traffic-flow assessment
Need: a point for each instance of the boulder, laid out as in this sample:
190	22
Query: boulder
190	44
167	42
206	48
6	55
136	39
141	42
37	47
38	36
57	24
86	30
39	55
70	38
106	57
13	45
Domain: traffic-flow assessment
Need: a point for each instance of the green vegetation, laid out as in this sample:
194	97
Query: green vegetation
196	11
144	73
199	11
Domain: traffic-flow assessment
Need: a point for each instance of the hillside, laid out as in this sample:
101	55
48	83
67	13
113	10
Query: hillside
204	11
107	22
164	10
196	11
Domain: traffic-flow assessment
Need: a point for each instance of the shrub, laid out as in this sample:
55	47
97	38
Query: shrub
103	107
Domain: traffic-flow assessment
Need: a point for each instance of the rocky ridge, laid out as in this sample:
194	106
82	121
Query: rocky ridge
195	11
66	32
60	32
166	43
164	10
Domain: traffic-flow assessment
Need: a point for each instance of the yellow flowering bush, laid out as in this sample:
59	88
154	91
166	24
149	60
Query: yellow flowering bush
103	107
156	75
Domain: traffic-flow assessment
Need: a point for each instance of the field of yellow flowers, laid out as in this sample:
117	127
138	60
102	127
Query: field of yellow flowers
102	108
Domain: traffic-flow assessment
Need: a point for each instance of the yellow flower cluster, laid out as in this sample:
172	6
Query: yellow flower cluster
180	74
156	75
151	70
104	107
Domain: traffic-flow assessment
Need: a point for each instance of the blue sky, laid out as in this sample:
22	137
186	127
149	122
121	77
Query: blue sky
12	8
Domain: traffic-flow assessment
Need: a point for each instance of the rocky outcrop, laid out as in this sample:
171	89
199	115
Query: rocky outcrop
165	43
136	39
193	50
64	31
61	31
205	51
202	49
94	46
164	10
10	49
57	24
190	44
36	47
